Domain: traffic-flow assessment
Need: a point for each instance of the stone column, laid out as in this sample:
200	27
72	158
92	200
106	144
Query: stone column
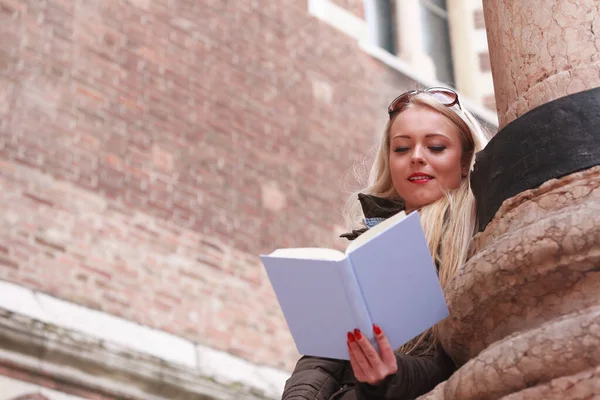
541	50
525	309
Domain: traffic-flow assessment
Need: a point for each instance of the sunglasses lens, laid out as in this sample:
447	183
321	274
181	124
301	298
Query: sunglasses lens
398	102
444	96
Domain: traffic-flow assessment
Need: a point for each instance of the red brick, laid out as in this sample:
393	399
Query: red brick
6	262
38	199
479	19
484	62
490	102
95	271
49	244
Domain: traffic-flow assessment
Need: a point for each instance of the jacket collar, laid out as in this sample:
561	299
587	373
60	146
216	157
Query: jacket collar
375	208
379	207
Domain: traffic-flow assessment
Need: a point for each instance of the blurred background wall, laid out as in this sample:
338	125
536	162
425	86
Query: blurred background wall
150	150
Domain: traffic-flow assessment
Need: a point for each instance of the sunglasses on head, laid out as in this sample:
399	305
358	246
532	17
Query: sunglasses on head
447	97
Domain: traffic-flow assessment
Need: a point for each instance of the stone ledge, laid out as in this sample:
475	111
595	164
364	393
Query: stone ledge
99	366
15	389
71	340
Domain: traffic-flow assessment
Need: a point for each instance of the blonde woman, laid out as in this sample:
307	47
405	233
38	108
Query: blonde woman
423	163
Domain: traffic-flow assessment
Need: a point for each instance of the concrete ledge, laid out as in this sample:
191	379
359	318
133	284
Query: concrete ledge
92	349
13	388
104	368
339	18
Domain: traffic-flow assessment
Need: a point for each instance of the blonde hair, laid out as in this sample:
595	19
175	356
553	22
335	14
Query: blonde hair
450	222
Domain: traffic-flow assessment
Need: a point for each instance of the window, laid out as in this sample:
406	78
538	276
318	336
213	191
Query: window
436	38
411	28
380	13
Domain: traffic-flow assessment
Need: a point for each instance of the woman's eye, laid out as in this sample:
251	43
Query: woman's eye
437	149
400	149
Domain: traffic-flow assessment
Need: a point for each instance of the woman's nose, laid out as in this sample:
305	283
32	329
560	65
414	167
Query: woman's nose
417	156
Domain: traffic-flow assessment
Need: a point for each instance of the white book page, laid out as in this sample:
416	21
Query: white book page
399	281
314	302
309	253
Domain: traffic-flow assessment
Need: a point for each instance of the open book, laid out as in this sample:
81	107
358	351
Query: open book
386	276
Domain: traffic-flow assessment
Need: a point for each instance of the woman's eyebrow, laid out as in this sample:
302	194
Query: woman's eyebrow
427	136
401	136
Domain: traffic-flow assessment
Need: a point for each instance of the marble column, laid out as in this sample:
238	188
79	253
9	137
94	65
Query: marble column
541	50
525	309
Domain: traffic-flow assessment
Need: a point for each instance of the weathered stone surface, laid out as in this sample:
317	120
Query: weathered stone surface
582	386
541	50
76	361
560	347
525	309
537	260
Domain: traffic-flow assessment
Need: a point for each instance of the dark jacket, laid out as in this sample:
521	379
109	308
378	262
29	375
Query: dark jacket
317	378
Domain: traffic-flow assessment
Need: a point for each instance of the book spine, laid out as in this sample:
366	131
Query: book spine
356	300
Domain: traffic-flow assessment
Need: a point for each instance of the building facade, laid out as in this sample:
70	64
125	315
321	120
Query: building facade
150	150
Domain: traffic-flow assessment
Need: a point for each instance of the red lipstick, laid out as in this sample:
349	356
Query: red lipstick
419	178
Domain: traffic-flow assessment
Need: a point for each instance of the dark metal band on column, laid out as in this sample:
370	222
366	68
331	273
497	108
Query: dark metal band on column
549	141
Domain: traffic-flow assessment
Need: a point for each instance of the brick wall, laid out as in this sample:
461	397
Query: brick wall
484	61
479	19
484	56
151	150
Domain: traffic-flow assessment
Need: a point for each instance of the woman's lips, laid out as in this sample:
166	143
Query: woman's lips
420	178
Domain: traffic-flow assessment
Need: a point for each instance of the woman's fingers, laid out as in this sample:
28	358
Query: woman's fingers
356	355
385	350
369	351
358	358
371	365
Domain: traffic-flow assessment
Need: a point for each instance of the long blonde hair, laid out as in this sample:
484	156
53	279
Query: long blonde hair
450	222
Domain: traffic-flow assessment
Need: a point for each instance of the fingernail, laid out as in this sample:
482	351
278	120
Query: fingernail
350	337
376	329
357	334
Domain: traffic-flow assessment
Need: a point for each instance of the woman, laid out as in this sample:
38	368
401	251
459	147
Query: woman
423	163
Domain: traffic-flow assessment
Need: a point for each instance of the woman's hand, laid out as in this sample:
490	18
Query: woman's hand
368	365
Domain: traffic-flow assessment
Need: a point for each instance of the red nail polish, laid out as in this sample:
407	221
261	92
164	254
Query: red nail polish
350	337
376	329
357	334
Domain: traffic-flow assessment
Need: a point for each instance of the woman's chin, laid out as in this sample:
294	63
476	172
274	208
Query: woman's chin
422	201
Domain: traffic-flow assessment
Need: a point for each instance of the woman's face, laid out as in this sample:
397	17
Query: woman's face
426	156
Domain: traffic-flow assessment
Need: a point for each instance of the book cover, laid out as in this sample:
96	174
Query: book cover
387	277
